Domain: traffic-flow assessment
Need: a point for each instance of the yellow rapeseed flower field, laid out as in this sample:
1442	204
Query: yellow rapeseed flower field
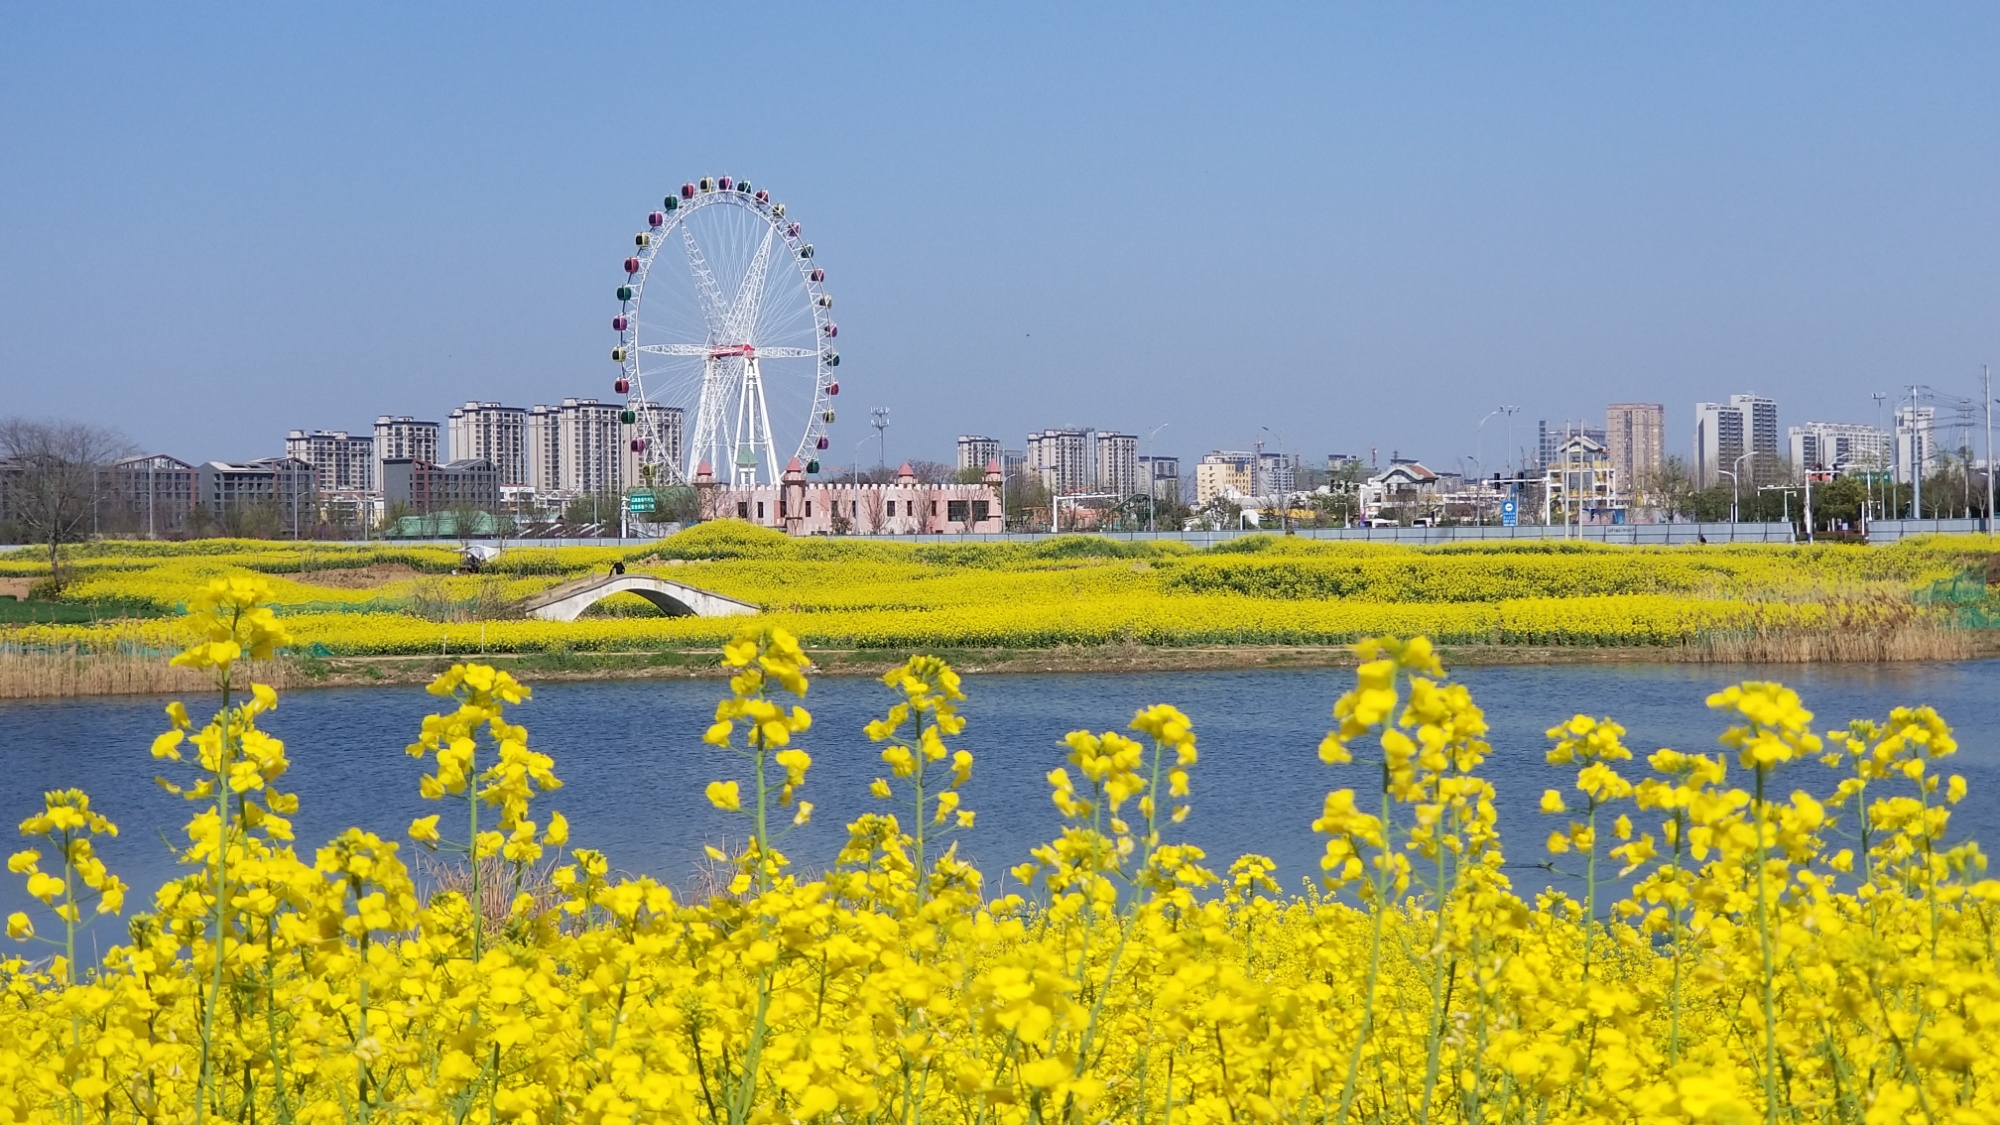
1075	590
1742	966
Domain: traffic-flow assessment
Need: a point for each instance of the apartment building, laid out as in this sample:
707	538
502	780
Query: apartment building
657	434
576	447
1063	460
489	431
976	451
1243	474
1117	463
343	463
1635	441
1165	475
1223	473
403	437
1839	447
230	490
1916	442
153	494
425	488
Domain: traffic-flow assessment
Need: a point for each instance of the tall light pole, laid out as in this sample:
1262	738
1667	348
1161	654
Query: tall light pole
1735	484
1479	432
1733	488
1479	442
1881	461
1285	496
1153	481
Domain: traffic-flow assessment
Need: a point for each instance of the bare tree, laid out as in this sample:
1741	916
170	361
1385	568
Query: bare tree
57	472
927	511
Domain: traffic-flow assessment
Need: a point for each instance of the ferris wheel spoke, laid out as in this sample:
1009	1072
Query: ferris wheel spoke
701	350
712	309
750	295
785	353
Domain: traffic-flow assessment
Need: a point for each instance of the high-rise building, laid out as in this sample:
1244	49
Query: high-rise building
653	423
976	452
1165	475
343	463
1063	460
403	437
1760	423
1718	442
1072	460
1725	433
1839	447
1635	440
1916	442
488	431
1117	463
577	447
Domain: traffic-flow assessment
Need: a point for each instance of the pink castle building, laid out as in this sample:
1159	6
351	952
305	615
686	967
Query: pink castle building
797	506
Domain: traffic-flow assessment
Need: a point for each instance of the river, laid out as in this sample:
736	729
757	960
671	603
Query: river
634	766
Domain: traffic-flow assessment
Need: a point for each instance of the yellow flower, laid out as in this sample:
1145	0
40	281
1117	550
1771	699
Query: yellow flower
19	927
725	795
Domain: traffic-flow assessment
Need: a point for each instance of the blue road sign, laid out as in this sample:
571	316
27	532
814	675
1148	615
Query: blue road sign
1510	513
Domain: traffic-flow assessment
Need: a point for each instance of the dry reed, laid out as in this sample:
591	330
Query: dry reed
42	674
497	886
1860	626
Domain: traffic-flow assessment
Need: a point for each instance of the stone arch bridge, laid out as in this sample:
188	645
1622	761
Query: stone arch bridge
568	601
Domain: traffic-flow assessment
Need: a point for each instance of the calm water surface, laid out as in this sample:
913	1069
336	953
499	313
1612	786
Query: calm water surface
634	767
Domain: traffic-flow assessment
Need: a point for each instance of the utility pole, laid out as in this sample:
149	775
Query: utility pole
1917	467
879	418
1986	380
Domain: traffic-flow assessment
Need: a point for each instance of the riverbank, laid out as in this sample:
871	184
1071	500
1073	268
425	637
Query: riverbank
70	675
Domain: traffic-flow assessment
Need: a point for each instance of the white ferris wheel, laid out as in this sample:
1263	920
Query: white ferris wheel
724	338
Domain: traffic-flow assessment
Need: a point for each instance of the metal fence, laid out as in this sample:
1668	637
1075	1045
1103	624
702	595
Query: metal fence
1655	534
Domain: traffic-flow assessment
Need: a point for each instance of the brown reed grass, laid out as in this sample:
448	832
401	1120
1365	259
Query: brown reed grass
1887	632
497	886
72	672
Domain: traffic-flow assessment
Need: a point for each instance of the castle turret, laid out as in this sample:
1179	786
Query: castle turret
792	497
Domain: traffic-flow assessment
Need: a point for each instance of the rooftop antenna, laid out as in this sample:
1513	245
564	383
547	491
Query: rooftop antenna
879	418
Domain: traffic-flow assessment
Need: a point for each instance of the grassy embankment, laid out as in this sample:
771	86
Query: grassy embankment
378	612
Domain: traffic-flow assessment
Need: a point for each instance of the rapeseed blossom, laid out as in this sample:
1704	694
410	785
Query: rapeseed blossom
1814	947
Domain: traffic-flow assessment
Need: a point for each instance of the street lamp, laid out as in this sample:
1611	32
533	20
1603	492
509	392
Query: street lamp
1153	482
1479	440
1881	461
1734	487
1285	497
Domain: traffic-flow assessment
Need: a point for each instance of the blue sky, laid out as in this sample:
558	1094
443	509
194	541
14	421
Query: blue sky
1362	226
